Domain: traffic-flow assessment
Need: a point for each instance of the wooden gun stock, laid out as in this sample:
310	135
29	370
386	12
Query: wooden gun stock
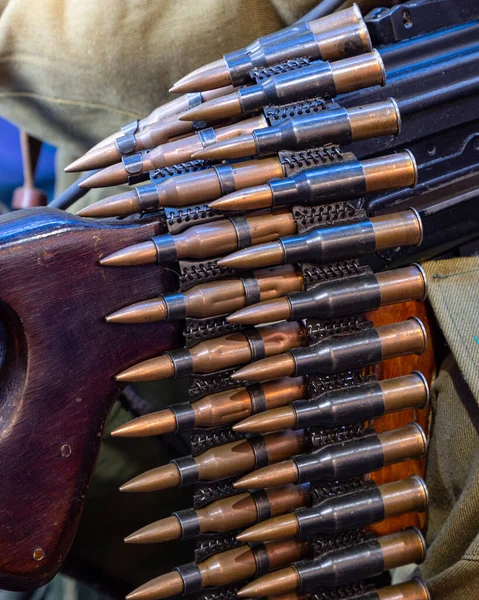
56	373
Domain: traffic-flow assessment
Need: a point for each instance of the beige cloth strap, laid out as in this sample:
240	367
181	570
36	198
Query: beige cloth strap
452	565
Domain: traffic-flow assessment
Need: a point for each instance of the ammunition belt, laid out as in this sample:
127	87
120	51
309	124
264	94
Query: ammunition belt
207	492
276	114
260	74
202	439
209	544
313	157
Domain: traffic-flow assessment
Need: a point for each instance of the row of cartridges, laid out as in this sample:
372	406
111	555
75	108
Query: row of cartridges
266	224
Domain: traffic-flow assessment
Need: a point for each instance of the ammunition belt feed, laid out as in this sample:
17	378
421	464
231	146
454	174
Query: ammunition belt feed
276	298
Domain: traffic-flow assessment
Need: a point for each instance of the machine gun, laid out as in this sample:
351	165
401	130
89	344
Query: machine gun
54	294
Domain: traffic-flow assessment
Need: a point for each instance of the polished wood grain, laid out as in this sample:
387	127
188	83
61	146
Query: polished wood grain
56	373
394	368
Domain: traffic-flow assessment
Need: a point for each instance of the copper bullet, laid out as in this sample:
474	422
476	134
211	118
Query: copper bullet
214	298
161	113
221	70
217	75
323	185
186	190
202	69
409	590
349	39
336	125
276	419
340	407
233	565
339	298
205	241
339	567
219	353
342	353
216	409
342	460
357	509
172	153
322	244
227	460
313	80
149	137
224	515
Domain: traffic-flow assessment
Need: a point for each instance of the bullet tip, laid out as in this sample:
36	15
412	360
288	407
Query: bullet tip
273	367
161	478
119	205
255	257
269	311
109	176
238	427
160	367
138	254
71	167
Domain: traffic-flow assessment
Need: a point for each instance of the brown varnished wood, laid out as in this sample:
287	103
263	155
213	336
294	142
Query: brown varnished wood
56	380
394	368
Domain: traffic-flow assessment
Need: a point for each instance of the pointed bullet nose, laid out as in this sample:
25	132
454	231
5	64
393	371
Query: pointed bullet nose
254	198
246	536
161	478
270	420
114	175
277	528
263	312
120	205
238	147
95	159
138	254
279	582
148	311
179	87
281	473
164	586
215	76
263	255
156	423
273	367
164	530
160	367
218	108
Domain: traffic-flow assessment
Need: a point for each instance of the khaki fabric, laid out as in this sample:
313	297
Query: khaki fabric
71	72
74	71
452	565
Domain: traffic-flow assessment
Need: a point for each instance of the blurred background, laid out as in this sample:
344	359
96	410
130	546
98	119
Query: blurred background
11	174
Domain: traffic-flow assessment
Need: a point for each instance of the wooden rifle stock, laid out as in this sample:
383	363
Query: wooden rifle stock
56	373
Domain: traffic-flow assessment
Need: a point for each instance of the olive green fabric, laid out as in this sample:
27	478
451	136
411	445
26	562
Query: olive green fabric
72	72
452	565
